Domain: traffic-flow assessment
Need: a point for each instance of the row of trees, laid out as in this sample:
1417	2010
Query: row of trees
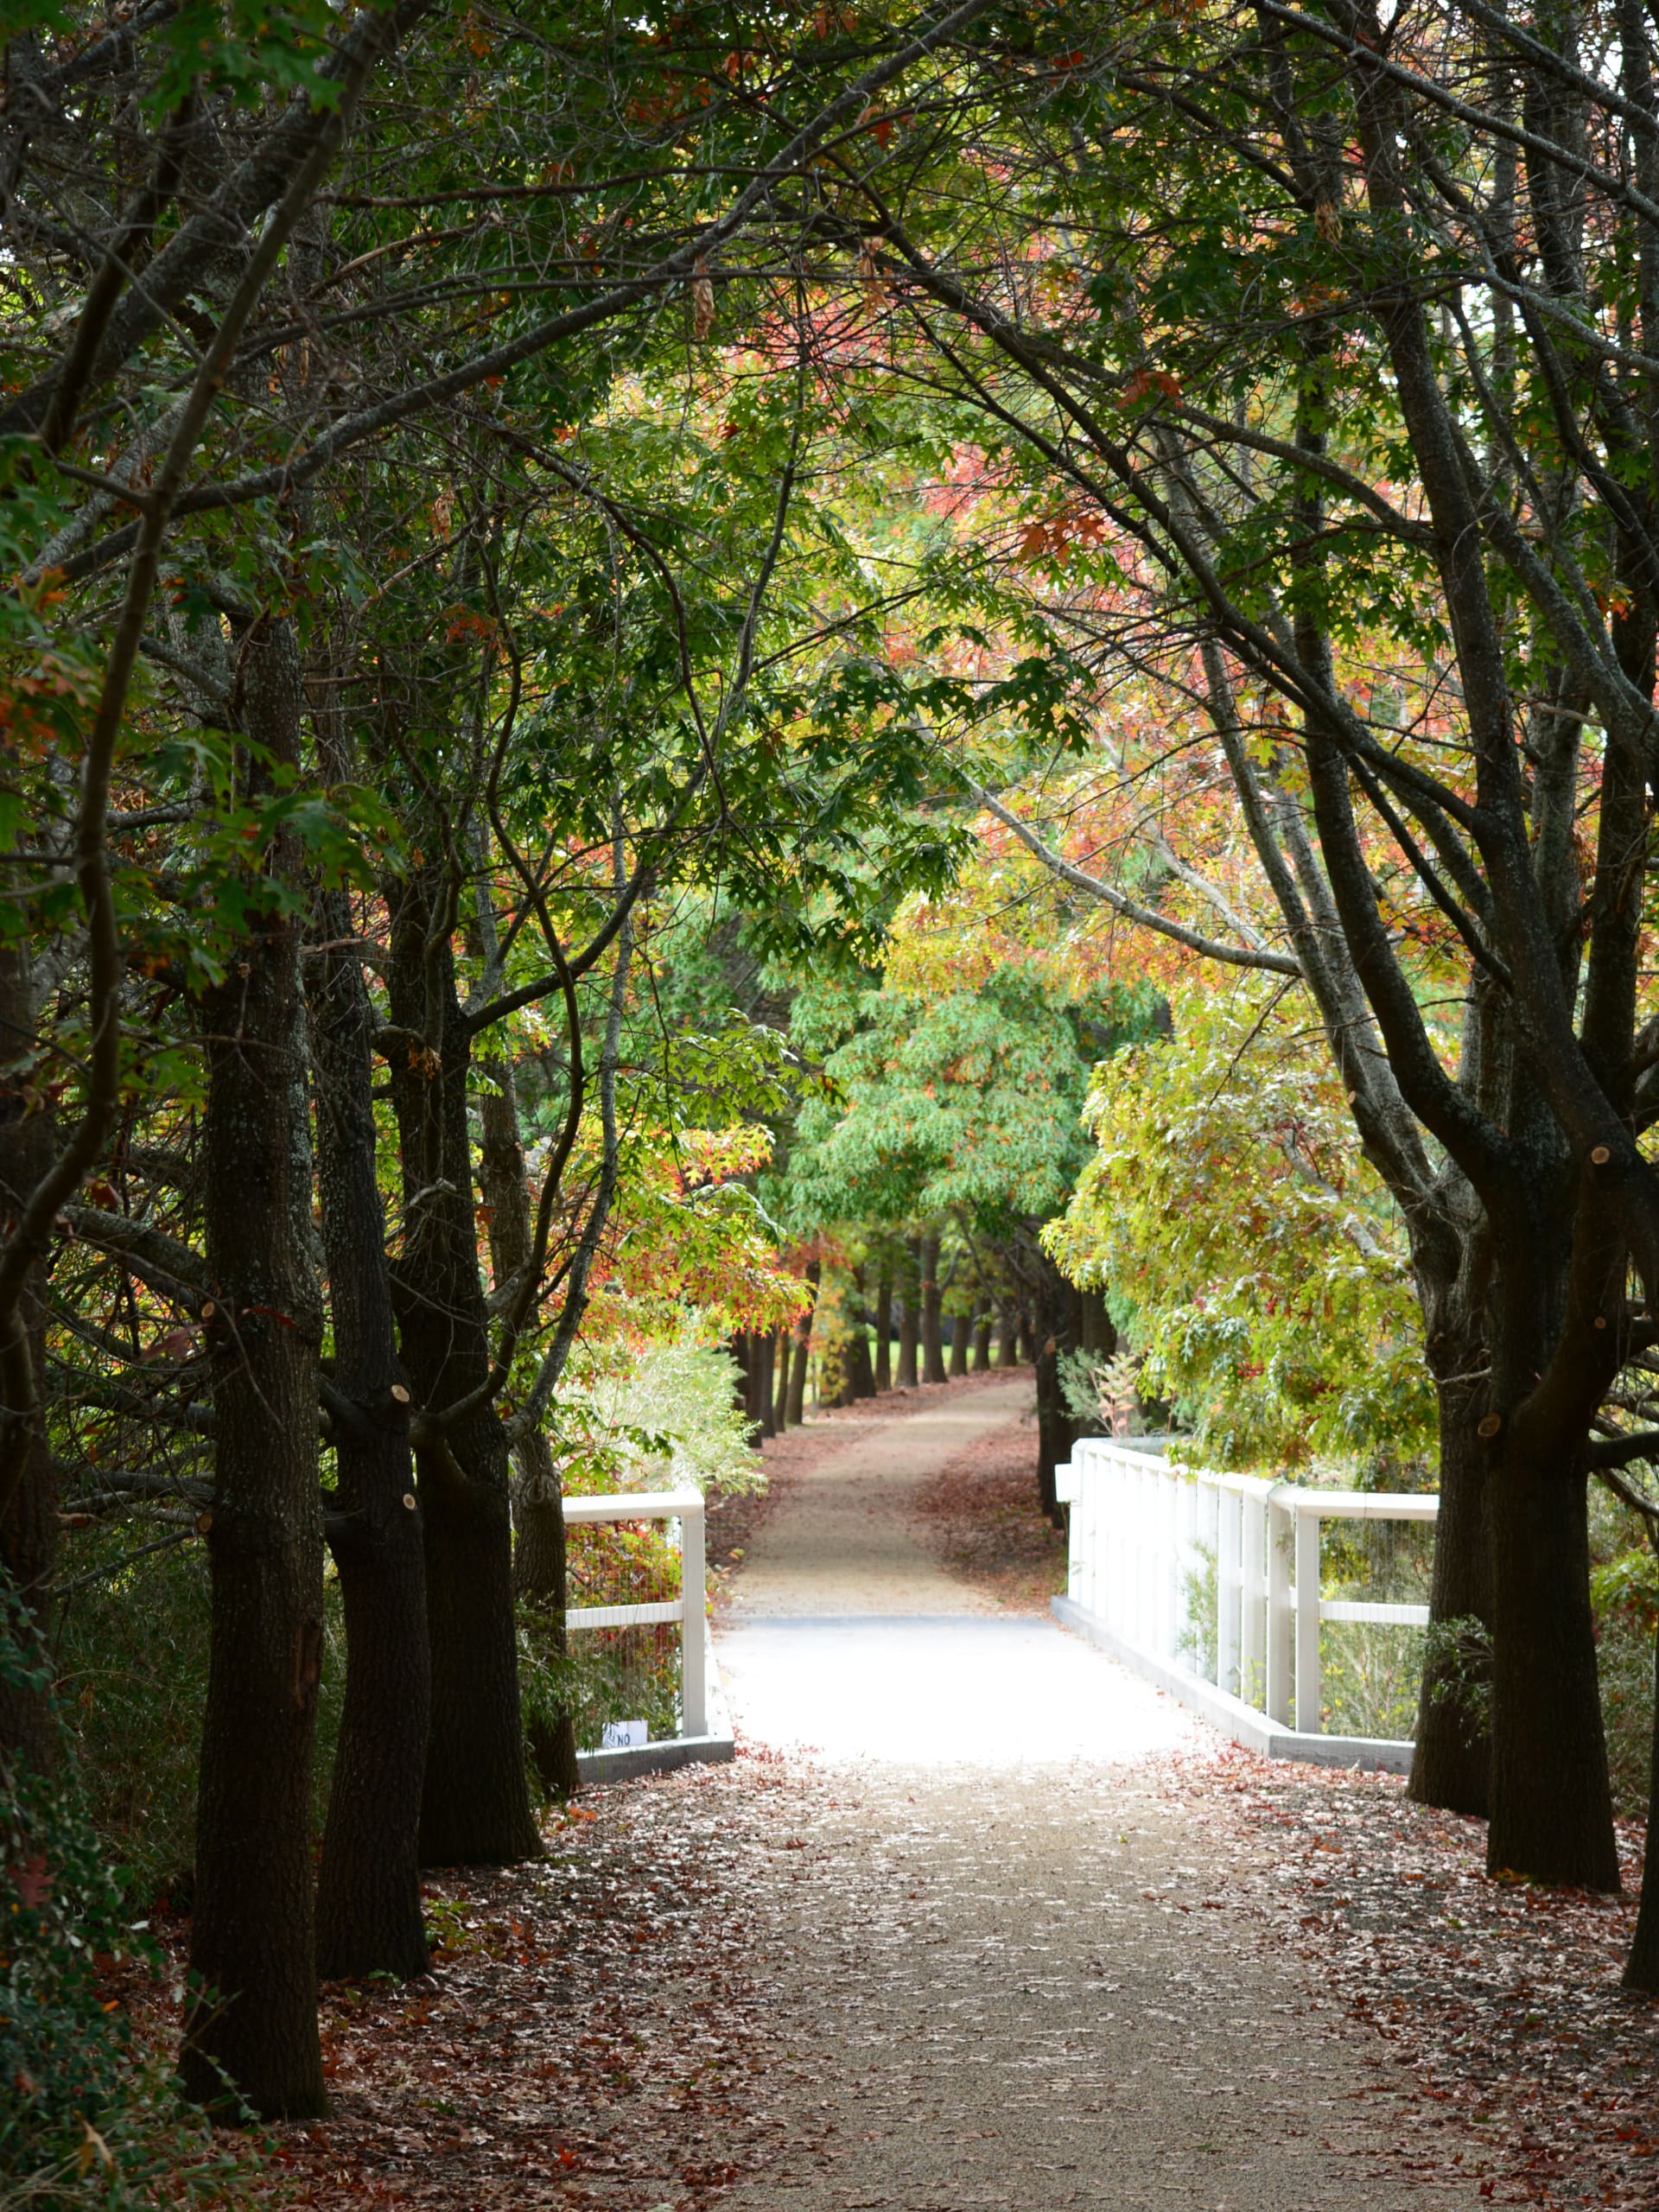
388	663
1308	356
958	1103
453	570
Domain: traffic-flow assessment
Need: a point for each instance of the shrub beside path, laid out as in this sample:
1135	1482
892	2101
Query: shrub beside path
1007	1958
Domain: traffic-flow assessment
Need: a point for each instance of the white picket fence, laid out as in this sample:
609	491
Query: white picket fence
705	1731
1151	1540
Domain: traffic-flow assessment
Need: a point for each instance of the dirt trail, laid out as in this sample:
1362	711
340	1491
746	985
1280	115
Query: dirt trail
1000	1934
844	1543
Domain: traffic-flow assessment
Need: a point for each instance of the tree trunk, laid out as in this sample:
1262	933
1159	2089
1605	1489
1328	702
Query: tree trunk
884	1330
780	1379
1007	1348
834	1377
763	1366
962	1329
1552	1816
908	1317
540	1575
982	1327
739	1351
475	1806
1054	1307
932	1342
28	1518
1451	1762
369	1917
1097	1336
861	1380
1642	1967
252	1941
795	1409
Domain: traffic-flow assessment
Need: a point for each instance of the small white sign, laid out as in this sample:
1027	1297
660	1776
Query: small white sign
623	1735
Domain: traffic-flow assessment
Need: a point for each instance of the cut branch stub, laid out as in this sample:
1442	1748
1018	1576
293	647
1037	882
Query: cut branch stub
1489	1426
1599	1156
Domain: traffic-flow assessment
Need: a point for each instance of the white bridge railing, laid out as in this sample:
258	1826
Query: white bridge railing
680	1508
1167	1565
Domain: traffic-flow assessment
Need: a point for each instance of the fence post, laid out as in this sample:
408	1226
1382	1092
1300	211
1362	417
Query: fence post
1230	1512
1253	1627
1307	1624
1173	1532
1280	1521
694	1684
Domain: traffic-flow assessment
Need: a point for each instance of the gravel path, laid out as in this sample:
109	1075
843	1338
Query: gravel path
1002	1948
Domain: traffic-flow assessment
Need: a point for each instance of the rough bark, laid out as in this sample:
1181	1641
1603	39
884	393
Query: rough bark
982	1328
884	1330
1642	1967
932	1340
1007	1336
475	1805
907	1303
539	1561
1552	1816
28	1519
369	1918
1451	1761
962	1330
254	2027
801	1352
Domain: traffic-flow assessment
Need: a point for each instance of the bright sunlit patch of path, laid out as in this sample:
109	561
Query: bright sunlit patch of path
934	1690
848	1637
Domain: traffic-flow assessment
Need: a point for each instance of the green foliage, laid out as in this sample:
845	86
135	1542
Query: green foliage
1625	1663
620	1674
656	1418
88	2116
1460	1652
608	1674
1247	1249
965	1102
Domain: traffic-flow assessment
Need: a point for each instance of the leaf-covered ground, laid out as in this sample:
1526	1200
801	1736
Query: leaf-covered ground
981	1515
1536	2073
595	2033
622	2025
980	1490
603	2030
